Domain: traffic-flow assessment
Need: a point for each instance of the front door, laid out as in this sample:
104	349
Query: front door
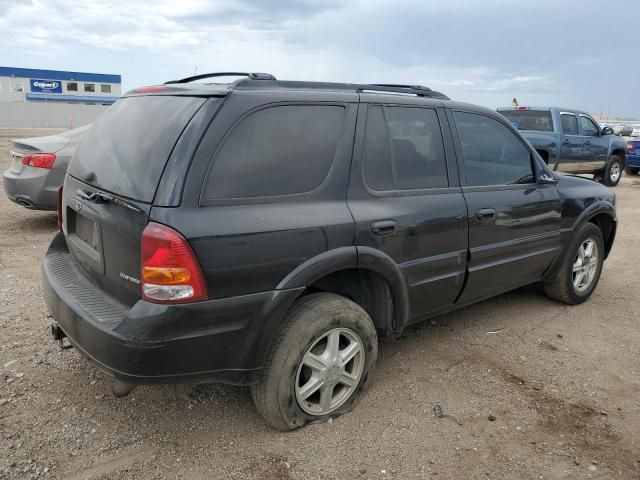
595	146
514	222
406	199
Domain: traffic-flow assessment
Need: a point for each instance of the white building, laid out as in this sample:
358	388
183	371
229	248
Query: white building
54	98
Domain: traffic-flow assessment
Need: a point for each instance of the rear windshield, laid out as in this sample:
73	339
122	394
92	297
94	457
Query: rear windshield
128	146
537	120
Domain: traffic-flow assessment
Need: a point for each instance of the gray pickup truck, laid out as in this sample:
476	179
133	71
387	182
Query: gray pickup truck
571	141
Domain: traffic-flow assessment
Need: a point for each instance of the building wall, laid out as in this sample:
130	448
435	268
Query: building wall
47	115
15	89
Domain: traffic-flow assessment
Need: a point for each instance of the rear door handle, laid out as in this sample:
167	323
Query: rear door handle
486	214
384	227
566	141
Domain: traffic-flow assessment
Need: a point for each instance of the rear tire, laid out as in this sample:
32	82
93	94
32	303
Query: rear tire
579	275
632	170
310	361
612	172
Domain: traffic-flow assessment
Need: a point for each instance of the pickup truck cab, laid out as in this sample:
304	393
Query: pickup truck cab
571	141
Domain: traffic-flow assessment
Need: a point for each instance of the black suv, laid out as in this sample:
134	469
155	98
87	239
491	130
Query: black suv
267	233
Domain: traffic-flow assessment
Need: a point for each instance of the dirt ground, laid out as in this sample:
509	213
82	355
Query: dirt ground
517	387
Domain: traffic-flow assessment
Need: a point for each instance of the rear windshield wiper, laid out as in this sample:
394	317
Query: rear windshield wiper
99	197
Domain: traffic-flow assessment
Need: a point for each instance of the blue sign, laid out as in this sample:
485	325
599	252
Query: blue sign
45	86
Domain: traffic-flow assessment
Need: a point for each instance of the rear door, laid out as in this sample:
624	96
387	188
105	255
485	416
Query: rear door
111	185
571	148
406	199
514	222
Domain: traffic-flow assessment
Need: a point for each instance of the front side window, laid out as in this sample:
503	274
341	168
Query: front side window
283	150
587	126
404	149
569	124
493	155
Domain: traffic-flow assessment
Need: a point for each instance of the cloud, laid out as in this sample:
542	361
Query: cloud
483	52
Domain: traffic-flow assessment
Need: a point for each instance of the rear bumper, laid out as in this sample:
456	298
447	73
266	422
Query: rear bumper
633	161
32	189
214	341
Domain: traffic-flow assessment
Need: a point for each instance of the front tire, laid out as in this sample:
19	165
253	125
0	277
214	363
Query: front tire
579	275
612	172
319	363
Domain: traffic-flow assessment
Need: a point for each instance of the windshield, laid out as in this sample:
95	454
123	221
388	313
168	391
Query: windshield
536	120
126	149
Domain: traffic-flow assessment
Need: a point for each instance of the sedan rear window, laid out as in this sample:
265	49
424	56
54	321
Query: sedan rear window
535	120
126	149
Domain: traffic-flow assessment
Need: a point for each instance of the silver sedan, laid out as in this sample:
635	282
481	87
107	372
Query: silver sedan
38	167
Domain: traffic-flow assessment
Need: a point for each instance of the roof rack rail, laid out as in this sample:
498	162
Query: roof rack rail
398	85
252	76
418	90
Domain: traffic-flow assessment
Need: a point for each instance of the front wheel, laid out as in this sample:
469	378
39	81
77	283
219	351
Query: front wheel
612	172
319	364
577	278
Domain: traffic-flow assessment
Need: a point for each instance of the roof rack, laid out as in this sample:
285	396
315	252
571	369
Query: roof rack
398	85
418	90
252	76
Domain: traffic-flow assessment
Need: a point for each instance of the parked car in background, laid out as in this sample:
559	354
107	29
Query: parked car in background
267	233
633	157
38	167
623	130
571	141
635	132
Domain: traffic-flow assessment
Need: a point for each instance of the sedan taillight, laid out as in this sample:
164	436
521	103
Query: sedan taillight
39	160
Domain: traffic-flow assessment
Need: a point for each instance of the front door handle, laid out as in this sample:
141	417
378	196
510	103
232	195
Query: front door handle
566	141
486	214
384	227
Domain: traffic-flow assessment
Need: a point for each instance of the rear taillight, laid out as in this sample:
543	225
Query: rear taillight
170	272
39	160
59	208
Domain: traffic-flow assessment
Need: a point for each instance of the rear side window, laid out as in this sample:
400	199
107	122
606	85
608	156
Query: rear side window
126	149
569	124
535	120
404	149
282	150
493	155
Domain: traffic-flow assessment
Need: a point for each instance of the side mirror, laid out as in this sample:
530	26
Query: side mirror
545	178
607	131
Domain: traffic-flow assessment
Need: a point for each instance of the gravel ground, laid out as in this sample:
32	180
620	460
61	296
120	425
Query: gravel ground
517	387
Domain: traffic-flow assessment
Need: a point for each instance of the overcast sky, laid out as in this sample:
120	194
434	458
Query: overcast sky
573	53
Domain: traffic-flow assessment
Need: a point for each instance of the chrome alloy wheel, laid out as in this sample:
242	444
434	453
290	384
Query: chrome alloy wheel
614	173
585	265
330	371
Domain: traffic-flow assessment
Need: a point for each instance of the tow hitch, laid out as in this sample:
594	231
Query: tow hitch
58	335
